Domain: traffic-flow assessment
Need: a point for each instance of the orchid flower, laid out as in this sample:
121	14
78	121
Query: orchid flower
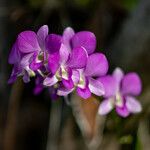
27	53
120	92
96	66
63	63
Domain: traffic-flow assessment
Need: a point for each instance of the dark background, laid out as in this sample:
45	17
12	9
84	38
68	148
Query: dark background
29	122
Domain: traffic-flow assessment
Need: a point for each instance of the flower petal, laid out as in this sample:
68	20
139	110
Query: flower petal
118	74
109	84
75	77
41	35
27	42
64	54
53	43
53	62
131	84
67	36
133	105
68	83
26	77
78	58
64	91
96	87
122	111
84	93
49	81
26	60
97	65
14	56
15	72
86	39
105	107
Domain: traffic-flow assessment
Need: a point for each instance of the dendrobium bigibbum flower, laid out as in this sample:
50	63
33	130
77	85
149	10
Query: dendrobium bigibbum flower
120	92
68	62
27	53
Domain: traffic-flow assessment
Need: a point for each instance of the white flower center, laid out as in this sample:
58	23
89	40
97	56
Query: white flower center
119	100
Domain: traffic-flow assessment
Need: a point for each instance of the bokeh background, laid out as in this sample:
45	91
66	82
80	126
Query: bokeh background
29	122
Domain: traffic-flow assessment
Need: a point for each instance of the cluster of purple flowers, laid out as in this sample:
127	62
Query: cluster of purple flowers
68	62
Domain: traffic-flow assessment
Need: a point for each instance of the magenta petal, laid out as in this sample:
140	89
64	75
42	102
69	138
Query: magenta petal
64	91
27	42
41	35
122	111
84	93
14	56
133	105
68	83
96	87
97	65
53	43
67	36
86	39
53	62
78	58
109	84
34	65
49	81
105	107
131	84
64	54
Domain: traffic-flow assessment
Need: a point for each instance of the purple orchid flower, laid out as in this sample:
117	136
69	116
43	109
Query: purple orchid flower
82	77
27	53
63	63
120	90
30	52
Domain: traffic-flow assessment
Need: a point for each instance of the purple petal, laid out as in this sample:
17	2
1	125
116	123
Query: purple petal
84	93
97	65
17	70
64	54
64	91
53	43
105	107
86	39
122	111
41	35
133	105
118	75
96	87
12	79
26	77
78	58
26	60
131	84
53	62
67	36
49	81
109	84
27	42
68	83
34	65
14	56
